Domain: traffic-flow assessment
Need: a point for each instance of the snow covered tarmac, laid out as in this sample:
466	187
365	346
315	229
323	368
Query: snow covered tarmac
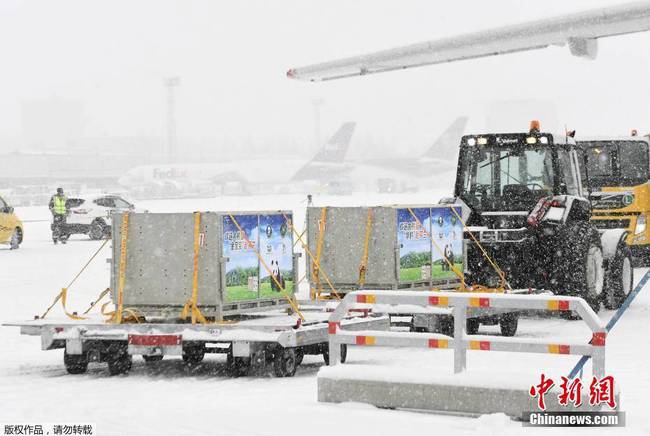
169	398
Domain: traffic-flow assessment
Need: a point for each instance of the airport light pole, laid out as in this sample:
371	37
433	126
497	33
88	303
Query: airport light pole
172	141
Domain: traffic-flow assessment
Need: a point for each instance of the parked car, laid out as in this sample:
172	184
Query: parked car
92	215
11	228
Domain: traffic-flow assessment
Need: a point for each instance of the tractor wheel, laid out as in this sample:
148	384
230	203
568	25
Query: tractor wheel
620	278
75	363
578	268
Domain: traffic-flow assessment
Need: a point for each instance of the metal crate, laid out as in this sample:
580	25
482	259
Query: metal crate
158	276
342	244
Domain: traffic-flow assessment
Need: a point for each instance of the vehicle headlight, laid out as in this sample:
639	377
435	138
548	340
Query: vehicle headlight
627	199
640	224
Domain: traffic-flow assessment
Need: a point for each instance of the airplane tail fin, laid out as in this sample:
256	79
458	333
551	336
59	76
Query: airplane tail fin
447	143
336	148
333	152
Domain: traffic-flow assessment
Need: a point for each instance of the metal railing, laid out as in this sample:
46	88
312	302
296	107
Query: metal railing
460	302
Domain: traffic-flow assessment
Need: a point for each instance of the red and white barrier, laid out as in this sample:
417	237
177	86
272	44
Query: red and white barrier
459	302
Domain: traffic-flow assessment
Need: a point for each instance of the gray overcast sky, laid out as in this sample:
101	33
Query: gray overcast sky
232	57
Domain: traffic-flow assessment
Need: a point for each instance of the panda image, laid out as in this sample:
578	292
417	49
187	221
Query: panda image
275	272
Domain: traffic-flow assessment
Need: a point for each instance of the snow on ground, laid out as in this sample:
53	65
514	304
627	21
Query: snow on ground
169	398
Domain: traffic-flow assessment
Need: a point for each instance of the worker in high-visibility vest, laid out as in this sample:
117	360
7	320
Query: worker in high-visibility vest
59	209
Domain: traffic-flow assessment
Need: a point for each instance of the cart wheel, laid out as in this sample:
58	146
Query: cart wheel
193	355
326	353
447	325
150	359
472	326
120	364
300	354
284	362
75	363
508	324
237	366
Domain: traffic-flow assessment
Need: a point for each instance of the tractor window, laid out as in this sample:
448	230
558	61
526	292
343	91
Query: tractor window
531	168
505	178
568	174
633	158
600	162
510	169
616	163
484	170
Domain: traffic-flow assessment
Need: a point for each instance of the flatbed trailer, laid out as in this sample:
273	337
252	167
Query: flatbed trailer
256	340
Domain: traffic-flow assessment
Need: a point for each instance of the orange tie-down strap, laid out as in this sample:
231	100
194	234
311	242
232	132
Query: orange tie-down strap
191	306
366	242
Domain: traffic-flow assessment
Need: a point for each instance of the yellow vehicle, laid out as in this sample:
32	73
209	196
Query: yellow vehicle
11	228
618	171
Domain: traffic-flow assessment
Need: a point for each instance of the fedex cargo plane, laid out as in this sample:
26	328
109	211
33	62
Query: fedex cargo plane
386	174
239	177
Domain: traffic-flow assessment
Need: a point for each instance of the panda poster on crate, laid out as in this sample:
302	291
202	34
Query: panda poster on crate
415	244
447	235
242	268
276	243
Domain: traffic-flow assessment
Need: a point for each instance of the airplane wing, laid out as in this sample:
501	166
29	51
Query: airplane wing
580	31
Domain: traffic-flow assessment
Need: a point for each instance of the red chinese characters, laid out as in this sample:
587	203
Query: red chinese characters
601	391
571	392
540	390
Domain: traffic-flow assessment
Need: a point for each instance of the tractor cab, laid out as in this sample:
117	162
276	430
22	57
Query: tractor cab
507	174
